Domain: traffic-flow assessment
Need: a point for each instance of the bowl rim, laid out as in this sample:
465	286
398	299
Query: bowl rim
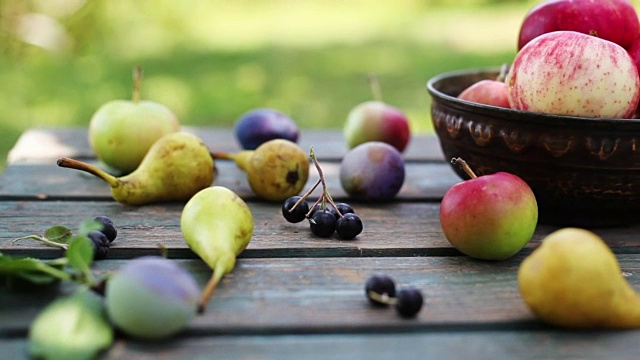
519	115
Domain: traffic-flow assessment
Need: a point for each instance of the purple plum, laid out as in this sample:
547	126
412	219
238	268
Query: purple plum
261	125
373	170
151	297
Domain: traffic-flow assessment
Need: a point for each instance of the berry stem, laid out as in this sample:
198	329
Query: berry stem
305	196
325	193
464	166
382	298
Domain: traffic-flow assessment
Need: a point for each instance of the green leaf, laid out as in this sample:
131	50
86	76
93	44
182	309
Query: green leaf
80	253
74	327
33	269
88	226
58	234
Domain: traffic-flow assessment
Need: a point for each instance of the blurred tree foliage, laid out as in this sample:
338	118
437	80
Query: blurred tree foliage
210	61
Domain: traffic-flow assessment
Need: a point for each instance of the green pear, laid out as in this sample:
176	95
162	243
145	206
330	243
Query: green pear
573	280
176	167
276	170
217	225
122	131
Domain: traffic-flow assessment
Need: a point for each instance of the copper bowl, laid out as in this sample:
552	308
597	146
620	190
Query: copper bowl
583	171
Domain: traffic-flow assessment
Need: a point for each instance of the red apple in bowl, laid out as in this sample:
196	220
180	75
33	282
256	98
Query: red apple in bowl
613	20
570	73
488	92
489	217
377	121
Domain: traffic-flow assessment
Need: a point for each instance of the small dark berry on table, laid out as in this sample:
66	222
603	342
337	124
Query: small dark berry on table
344	208
107	227
323	223
379	289
349	226
100	244
408	301
298	214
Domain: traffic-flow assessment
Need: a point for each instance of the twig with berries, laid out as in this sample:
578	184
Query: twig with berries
323	220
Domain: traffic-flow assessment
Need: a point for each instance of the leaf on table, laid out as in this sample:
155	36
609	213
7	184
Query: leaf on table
58	233
74	327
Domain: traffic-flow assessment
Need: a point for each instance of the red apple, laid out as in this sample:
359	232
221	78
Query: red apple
377	121
489	217
488	92
570	73
613	20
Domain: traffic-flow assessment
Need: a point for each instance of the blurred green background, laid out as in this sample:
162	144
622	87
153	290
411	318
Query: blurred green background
211	61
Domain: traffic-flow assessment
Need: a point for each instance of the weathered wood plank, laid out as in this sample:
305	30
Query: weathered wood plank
45	143
423	181
495	345
397	228
323	296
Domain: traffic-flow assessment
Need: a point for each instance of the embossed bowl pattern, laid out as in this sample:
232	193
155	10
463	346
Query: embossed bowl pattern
583	171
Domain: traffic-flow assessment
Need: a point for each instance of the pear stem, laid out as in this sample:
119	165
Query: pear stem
137	81
79	165
208	291
464	166
374	85
221	155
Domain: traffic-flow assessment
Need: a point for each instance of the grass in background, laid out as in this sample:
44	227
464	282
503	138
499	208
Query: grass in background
212	61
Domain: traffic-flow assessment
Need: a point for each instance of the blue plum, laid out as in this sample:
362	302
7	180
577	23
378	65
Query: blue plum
261	125
151	297
373	170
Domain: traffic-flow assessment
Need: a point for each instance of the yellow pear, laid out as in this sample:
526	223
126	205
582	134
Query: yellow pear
573	280
276	170
177	166
217	225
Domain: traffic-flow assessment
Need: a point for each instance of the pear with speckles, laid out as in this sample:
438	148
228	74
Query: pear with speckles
177	166
573	280
217	225
276	170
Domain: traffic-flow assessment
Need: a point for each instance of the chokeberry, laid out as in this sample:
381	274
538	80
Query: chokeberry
349	226
100	243
408	301
298	214
323	223
344	208
107	227
379	289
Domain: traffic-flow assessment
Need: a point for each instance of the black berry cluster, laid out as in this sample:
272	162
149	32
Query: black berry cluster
102	239
381	291
325	216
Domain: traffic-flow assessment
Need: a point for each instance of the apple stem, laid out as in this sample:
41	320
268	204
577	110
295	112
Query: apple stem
137	80
502	76
374	85
464	166
79	165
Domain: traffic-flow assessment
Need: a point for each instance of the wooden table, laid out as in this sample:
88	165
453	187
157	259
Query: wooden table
293	295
